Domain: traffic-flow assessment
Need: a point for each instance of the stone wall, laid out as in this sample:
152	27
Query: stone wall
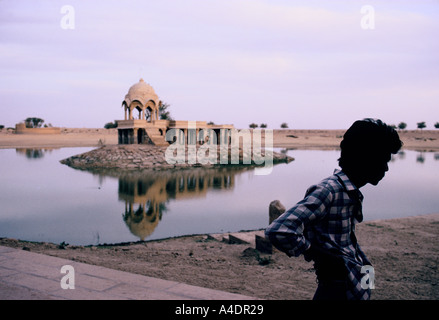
20	128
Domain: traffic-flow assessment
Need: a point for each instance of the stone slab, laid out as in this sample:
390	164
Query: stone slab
32	276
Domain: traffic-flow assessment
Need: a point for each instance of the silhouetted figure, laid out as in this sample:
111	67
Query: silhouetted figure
322	225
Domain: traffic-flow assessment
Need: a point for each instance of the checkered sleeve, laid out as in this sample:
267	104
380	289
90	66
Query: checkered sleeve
286	232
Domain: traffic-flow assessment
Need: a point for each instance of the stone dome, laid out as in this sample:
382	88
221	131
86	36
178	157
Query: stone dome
142	92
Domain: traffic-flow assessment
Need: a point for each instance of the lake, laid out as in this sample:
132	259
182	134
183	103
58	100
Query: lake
43	200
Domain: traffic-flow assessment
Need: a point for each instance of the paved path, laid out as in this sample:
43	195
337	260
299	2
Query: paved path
31	276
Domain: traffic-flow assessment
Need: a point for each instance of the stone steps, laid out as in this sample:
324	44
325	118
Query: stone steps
256	239
156	138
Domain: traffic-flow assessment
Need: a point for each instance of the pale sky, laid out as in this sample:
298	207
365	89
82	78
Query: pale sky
312	64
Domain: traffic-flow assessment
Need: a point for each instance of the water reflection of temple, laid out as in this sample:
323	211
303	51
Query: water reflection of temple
146	195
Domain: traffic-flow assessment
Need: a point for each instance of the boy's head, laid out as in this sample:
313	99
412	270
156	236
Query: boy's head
366	149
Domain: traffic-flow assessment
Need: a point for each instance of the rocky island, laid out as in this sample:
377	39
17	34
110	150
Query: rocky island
150	157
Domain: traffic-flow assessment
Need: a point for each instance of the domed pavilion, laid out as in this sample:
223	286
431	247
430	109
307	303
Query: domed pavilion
142	123
141	97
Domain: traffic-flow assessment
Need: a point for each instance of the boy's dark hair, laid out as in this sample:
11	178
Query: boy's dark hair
366	139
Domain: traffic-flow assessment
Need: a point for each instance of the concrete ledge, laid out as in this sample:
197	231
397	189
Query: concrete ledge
31	276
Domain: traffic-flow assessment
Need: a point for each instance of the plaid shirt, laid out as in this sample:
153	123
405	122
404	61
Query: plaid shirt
326	219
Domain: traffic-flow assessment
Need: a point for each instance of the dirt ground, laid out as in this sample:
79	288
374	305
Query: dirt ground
404	252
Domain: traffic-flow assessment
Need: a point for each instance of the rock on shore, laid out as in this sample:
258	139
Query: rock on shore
147	157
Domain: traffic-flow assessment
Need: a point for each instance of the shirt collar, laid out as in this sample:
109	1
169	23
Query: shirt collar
347	184
353	193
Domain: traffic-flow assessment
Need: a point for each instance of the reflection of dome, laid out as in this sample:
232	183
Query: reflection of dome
143	221
142	92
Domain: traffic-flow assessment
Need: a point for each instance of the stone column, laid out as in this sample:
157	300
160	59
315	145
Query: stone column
185	132
130	133
135	138
275	210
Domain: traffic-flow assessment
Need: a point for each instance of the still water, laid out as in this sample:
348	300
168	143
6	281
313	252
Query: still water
43	200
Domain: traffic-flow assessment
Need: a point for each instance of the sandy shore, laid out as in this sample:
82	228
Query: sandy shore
403	251
426	140
69	137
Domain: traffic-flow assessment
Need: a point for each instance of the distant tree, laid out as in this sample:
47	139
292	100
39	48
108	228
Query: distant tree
392	126
284	125
33	122
421	125
211	123
1	126
263	125
253	125
110	125
402	125
436	125
164	113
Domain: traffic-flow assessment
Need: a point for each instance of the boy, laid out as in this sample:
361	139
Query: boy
322	225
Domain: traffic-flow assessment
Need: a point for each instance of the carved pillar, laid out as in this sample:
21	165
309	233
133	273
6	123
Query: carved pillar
134	136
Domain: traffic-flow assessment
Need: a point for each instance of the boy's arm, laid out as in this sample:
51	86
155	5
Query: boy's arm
286	232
